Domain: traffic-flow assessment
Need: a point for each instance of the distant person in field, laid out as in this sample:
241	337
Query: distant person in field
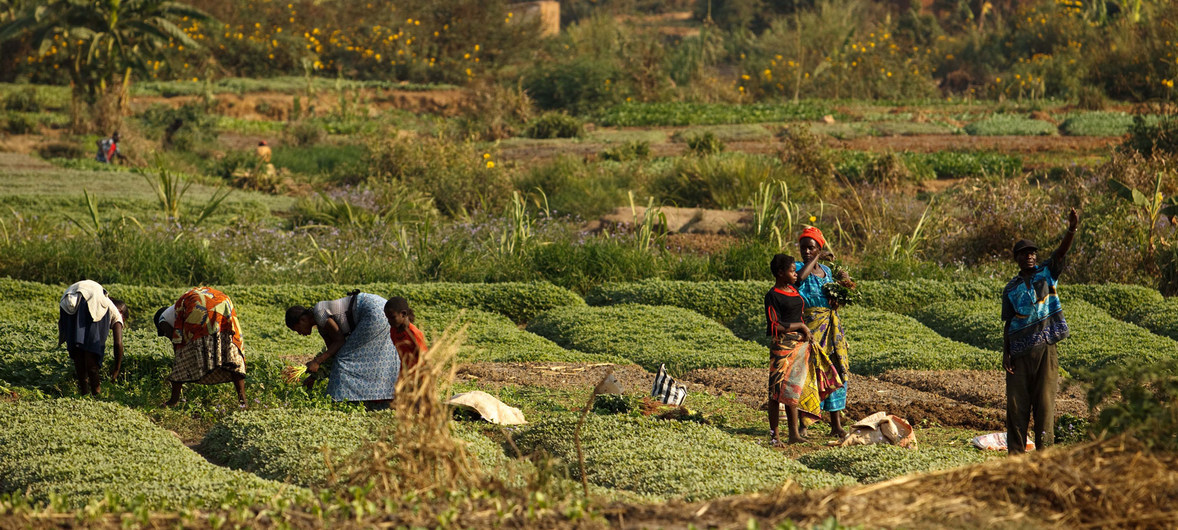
1033	323
409	340
262	151
790	383
108	149
86	317
355	334
202	326
824	322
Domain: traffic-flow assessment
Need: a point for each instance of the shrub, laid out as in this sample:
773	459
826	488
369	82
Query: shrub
579	86
1148	404
684	113
1149	137
23	100
1096	340
81	450
191	124
648	336
1097	124
1158	317
879	462
634	150
1007	125
456	176
338	163
647	457
64	150
305	133
578	188
555	125
704	144
17	123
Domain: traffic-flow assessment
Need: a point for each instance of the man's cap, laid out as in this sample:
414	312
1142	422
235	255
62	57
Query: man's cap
1023	244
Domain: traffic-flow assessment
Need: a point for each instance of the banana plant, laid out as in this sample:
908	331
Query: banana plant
1149	208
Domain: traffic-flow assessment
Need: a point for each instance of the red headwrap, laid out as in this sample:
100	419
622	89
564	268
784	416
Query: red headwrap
815	234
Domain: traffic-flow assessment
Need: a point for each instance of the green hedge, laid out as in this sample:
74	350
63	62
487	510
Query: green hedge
1096	339
685	113
668	459
520	301
82	450
879	462
648	336
1008	125
903	296
1159	317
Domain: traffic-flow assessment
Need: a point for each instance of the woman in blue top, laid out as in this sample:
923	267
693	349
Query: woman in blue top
823	320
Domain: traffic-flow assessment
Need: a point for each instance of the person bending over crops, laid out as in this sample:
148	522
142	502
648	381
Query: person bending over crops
355	332
1033	323
790	383
823	320
202	326
409	340
86	317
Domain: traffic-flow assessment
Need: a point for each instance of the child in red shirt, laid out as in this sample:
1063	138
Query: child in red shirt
409	340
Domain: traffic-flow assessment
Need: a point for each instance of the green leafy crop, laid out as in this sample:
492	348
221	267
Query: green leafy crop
668	459
648	336
879	462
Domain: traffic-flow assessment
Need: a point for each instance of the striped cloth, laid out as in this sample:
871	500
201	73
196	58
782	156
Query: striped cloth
366	368
666	389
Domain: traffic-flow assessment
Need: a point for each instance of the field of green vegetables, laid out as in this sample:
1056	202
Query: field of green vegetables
53	445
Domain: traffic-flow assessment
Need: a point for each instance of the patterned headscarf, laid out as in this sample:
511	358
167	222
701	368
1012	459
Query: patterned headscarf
815	234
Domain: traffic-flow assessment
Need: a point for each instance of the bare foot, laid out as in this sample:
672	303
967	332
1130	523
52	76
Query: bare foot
839	434
170	404
797	439
774	442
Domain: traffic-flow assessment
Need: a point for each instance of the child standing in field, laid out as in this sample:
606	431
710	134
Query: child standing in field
1033	323
790	383
409	340
86	317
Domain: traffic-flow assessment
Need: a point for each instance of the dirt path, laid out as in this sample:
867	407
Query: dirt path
279	105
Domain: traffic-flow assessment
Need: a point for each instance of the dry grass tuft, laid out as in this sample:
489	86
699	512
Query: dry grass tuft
416	455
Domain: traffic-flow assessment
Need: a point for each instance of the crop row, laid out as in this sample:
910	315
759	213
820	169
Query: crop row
668	459
518	301
648	336
306	446
83	450
1096	339
879	462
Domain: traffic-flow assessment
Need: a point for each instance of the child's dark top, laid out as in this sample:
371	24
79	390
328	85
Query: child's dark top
782	307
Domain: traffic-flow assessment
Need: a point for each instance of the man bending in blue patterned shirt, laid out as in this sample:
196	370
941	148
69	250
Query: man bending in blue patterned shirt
1034	322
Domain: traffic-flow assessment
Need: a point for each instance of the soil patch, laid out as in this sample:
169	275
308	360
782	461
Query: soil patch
867	395
982	388
563	376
